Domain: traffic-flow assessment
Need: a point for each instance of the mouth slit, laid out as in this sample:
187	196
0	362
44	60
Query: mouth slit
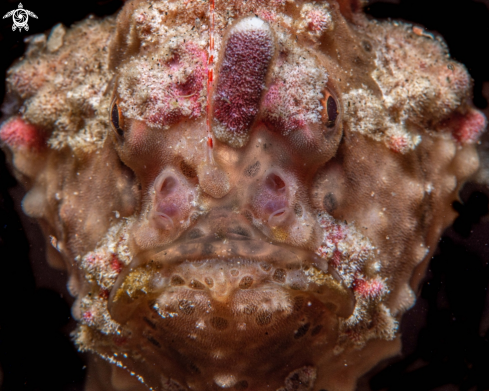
235	266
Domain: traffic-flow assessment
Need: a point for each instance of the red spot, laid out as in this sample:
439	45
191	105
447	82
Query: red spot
104	294
120	340
21	134
209	142
336	259
369	289
468	127
318	20
115	264
267	15
88	316
336	234
398	143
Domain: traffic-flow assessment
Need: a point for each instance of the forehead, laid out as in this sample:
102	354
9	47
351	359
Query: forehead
167	77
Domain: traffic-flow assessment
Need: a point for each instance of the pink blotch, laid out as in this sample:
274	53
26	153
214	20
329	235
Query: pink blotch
269	16
90	259
318	20
104	293
336	259
467	128
18	133
279	123
369	289
140	18
88	317
398	143
322	251
115	264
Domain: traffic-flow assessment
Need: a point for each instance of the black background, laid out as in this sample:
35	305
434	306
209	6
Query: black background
445	336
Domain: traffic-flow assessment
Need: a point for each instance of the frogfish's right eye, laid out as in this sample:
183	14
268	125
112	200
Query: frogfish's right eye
330	109
117	119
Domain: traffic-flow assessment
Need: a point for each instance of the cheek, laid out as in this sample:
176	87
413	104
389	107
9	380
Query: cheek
140	149
137	133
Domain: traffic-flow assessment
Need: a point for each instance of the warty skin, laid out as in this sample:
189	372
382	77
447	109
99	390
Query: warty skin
338	146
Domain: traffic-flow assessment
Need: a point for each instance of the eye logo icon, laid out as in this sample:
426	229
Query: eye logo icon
20	16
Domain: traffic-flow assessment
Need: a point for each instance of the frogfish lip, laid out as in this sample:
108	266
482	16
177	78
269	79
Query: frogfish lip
226	269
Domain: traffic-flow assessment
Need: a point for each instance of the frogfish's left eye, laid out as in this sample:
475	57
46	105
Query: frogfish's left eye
117	119
330	109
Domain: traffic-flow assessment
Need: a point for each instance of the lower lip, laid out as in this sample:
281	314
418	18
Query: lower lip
223	278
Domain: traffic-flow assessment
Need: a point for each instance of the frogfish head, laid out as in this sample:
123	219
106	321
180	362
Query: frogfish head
281	172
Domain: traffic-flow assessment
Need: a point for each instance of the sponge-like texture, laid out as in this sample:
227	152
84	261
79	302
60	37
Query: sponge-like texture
244	194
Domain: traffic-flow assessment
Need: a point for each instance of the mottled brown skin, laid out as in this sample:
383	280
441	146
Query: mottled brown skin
276	249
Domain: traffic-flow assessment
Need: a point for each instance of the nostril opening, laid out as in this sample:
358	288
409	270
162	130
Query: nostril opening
275	214
276	207
166	219
167	209
275	183
167	185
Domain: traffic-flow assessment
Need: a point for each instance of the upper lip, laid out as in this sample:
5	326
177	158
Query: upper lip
330	290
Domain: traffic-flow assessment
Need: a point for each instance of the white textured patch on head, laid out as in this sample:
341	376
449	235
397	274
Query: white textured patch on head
251	23
298	83
369	115
315	19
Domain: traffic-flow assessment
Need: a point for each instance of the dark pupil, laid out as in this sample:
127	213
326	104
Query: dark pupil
332	112
115	119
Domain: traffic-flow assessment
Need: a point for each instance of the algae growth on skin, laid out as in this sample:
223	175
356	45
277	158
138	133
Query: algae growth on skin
243	195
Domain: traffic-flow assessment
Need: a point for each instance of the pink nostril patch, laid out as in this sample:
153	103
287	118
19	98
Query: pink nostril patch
168	205
172	200
276	207
271	201
275	183
169	209
168	186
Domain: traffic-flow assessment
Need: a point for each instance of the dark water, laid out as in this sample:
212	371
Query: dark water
445	336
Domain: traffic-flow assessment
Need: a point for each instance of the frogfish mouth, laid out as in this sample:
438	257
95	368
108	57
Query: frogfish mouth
233	305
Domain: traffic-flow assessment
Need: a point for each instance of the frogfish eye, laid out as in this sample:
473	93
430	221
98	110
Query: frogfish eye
117	119
330	109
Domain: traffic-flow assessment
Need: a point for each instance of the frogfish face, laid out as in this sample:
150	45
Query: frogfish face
245	194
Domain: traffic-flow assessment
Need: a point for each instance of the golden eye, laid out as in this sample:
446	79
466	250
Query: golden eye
117	119
330	109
